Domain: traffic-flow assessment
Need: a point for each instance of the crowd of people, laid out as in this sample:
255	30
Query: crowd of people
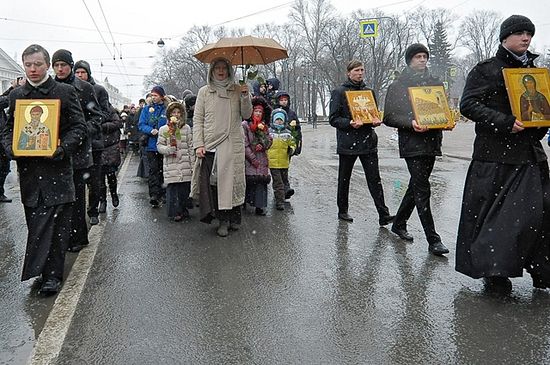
220	149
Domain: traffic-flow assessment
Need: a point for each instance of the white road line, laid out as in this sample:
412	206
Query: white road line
49	343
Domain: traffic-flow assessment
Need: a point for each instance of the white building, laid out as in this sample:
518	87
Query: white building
115	97
9	70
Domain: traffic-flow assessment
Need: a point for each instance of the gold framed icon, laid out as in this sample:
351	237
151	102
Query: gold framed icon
430	107
36	127
529	92
362	106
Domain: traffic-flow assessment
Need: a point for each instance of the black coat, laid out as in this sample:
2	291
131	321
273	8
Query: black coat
350	141
111	138
398	113
105	108
82	158
42	177
485	101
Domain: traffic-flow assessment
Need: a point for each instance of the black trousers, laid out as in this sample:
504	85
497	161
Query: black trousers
94	185
49	231
4	171
372	174
156	179
109	173
79	230
418	195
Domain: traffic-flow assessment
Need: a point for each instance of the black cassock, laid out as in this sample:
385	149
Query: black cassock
505	221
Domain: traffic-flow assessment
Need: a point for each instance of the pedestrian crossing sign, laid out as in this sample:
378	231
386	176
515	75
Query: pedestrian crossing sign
369	28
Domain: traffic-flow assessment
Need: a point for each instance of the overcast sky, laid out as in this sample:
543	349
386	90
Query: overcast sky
68	24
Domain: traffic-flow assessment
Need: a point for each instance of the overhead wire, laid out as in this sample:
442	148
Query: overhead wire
113	38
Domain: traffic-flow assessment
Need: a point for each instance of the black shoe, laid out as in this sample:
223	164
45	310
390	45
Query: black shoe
234	226
497	284
259	211
50	286
385	220
402	233
115	199
5	199
94	221
280	206
345	217
438	248
154	202
289	193
102	207
75	248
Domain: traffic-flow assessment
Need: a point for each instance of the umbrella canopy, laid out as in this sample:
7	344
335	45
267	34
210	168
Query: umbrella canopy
247	50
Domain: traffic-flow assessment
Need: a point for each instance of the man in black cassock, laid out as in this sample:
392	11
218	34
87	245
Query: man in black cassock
504	224
47	188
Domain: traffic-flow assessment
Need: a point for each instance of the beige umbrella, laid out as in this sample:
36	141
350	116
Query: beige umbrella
247	50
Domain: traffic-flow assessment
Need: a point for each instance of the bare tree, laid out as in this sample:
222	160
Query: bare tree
479	33
313	18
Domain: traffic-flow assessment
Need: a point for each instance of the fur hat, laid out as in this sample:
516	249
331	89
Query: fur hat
83	64
158	90
515	23
123	114
63	55
415	49
175	105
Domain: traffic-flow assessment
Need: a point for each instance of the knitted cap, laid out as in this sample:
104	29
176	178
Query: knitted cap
158	90
415	49
63	55
278	114
83	64
515	23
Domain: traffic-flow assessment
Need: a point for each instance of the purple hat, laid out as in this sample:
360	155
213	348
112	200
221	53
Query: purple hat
158	90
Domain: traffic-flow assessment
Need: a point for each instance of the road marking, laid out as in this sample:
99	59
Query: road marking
49	342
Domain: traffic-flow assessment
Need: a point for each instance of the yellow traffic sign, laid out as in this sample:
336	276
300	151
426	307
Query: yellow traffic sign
369	28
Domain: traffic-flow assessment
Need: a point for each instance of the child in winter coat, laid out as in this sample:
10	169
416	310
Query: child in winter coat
282	147
175	143
256	142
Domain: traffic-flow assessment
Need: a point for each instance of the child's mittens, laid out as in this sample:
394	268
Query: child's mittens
172	150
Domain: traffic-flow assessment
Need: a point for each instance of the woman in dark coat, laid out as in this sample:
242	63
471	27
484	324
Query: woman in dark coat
504	223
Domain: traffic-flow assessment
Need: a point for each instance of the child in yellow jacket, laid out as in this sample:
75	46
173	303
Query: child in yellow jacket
282	148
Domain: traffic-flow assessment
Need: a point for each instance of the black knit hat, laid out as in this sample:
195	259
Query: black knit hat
515	23
414	49
63	55
83	64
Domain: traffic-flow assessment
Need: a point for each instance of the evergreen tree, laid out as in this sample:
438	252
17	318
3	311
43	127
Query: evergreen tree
440	58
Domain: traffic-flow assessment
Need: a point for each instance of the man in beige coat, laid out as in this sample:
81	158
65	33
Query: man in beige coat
218	176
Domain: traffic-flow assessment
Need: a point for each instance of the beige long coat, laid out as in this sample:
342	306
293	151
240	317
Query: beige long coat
217	127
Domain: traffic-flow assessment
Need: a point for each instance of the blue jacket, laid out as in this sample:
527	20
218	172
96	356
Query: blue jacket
152	117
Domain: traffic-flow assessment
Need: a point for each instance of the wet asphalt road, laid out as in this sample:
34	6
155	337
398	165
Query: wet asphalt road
296	286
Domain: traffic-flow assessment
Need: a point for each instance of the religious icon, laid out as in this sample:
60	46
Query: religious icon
430	107
529	92
362	106
35	131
